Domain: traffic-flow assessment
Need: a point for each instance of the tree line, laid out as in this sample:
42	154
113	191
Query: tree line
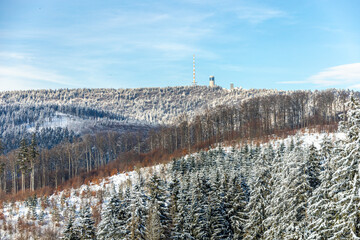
253	118
288	191
281	190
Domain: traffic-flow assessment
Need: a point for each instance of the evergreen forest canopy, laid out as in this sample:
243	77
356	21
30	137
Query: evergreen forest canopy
270	192
60	115
273	191
114	143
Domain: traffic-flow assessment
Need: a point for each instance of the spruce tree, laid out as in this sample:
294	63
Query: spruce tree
200	209
159	221
87	224
237	211
219	223
256	208
346	182
295	192
125	214
108	226
139	213
182	222
313	167
23	161
2	165
321	207
71	231
33	153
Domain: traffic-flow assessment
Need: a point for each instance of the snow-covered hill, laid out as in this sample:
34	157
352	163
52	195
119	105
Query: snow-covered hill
154	105
48	217
94	110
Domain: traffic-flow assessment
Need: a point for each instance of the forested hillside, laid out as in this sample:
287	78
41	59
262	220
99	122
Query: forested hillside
109	142
154	105
280	190
54	113
87	111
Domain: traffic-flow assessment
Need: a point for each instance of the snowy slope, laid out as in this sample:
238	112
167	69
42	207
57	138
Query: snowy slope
51	212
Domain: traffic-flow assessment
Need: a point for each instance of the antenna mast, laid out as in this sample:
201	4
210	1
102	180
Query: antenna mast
194	82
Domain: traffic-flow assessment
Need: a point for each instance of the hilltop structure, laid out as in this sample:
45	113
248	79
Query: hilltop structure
194	82
212	81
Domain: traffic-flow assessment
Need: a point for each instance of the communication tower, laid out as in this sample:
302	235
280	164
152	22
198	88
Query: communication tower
194	82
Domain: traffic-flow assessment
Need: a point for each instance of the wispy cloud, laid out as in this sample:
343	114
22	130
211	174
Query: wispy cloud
13	55
256	15
293	82
232	68
25	75
244	10
338	75
347	75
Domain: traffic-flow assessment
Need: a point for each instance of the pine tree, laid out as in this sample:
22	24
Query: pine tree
237	212
200	210
219	223
139	214
108	226
125	214
346	187
184	216
321	207
87	224
295	192
71	231
23	161
313	167
33	153
256	208
158	226
33	204
2	165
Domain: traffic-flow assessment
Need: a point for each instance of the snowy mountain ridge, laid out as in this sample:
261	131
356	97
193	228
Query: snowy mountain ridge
50	221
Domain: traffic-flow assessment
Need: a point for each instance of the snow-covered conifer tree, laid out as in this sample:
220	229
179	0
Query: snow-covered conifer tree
321	209
313	167
139	213
108	226
346	182
256	208
295	191
87	224
158	226
71	231
236	213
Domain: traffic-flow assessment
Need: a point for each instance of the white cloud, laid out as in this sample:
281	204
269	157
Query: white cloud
347	74
245	10
13	55
256	15
26	77
232	68
292	82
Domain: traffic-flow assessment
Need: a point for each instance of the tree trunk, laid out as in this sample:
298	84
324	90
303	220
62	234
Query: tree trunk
56	175
32	177
14	181
44	177
23	181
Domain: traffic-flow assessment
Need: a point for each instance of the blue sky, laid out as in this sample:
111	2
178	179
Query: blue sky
279	44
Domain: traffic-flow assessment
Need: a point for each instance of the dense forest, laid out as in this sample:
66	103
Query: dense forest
154	105
60	155
279	190
269	192
88	111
